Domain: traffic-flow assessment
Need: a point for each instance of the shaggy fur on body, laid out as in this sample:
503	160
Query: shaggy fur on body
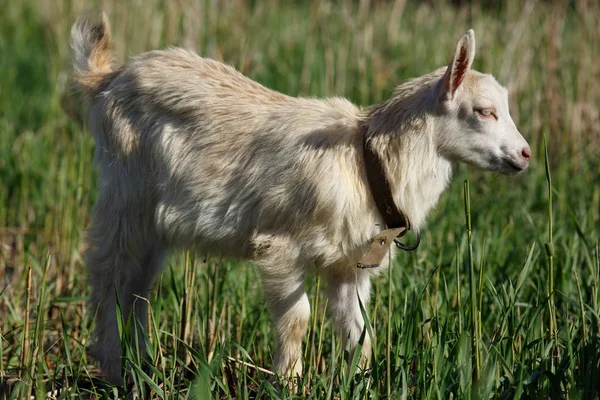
193	154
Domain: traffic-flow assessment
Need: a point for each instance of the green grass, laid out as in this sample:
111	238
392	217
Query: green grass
500	300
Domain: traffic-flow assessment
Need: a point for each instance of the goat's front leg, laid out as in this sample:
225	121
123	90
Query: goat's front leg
344	288
290	311
283	281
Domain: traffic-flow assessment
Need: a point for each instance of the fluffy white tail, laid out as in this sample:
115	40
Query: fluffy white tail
92	59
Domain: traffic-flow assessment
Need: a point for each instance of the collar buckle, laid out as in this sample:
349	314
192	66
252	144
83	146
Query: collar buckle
405	247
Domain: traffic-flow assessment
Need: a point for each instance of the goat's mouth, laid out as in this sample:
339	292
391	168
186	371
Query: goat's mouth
514	166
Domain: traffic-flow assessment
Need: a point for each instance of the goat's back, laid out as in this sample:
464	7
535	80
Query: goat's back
216	155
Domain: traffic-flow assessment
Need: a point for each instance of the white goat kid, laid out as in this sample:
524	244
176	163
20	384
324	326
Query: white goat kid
193	154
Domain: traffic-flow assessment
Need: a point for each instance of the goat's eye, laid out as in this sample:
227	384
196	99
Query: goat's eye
486	112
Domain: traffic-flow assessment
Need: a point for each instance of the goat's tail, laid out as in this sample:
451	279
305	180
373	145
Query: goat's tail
91	53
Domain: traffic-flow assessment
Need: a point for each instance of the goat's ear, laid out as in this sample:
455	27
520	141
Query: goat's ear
460	64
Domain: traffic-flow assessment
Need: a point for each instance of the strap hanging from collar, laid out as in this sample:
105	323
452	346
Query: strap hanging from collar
396	222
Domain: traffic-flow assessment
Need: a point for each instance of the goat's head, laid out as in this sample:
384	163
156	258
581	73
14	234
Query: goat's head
474	123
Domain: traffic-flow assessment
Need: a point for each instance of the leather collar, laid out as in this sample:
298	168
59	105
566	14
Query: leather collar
380	186
397	224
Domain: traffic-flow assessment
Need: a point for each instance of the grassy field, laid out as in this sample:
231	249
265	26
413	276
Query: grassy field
508	309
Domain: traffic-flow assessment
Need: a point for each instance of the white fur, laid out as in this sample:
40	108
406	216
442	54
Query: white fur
193	154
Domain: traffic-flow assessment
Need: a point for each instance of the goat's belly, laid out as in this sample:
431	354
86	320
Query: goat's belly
205	227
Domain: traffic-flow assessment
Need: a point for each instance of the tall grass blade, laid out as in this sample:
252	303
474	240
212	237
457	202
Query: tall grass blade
472	289
550	254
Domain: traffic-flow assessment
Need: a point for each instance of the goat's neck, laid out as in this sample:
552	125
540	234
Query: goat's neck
417	173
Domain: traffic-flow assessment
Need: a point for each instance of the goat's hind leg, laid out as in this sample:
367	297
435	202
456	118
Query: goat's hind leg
122	261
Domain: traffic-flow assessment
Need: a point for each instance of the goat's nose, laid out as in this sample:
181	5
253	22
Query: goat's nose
526	153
